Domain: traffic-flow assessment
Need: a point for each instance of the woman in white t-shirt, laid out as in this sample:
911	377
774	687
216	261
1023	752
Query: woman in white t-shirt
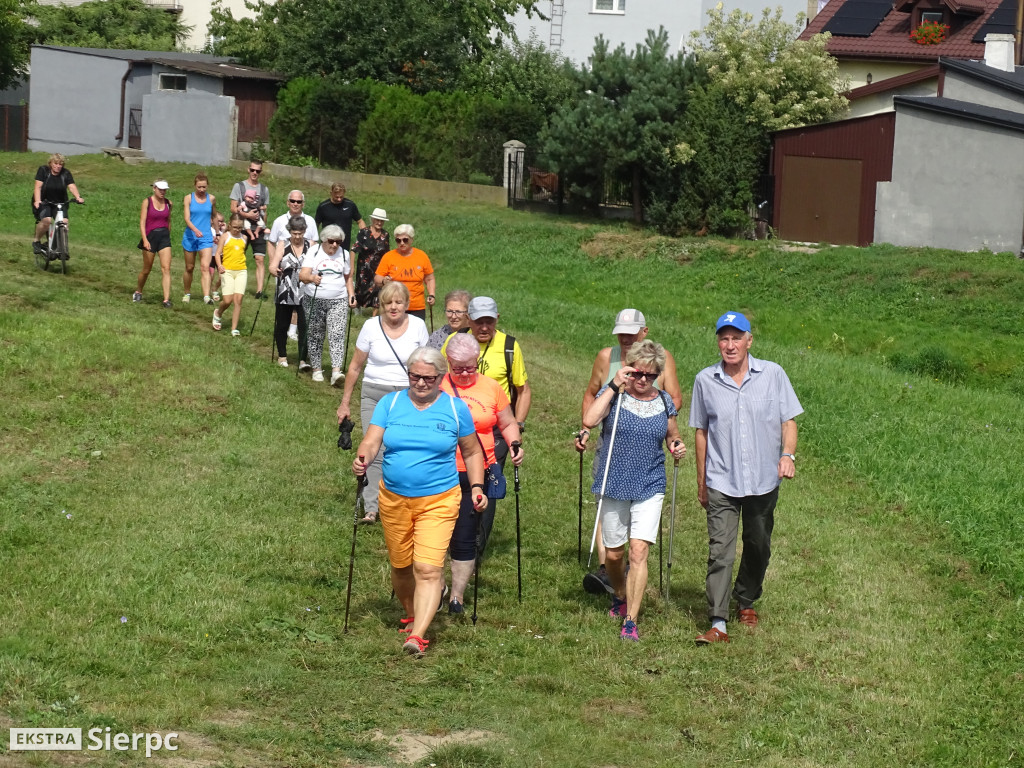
326	273
383	343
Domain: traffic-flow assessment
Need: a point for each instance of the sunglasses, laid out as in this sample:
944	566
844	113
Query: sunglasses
257	171
415	377
403	239
332	241
645	375
296	201
464	369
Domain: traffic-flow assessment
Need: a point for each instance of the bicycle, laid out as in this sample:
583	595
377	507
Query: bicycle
56	248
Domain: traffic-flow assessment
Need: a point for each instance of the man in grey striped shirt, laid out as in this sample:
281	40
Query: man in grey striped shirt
743	411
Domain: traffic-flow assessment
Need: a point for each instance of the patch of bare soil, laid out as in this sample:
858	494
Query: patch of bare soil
411	747
798	248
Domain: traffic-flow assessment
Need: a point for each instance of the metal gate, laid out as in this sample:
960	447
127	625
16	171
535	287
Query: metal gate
135	128
529	186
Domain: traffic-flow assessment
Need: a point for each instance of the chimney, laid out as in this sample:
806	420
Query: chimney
999	51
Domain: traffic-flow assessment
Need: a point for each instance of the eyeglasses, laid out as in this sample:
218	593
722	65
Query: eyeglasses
415	377
403	239
455	312
463	369
257	171
298	202
646	375
332	241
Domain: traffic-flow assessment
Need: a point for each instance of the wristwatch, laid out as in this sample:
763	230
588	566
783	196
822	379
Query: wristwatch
792	456
522	427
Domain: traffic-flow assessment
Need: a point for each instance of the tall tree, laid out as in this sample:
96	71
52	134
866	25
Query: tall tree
423	44
13	50
778	80
626	118
129	24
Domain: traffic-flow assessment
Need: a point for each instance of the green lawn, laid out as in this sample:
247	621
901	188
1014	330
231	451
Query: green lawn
175	517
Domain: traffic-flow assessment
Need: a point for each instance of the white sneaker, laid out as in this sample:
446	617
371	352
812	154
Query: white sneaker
207	300
236	332
337	377
216	321
304	366
293	333
216	295
318	375
186	298
283	363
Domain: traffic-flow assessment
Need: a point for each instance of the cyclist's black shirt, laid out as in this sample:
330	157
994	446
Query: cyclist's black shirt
55	188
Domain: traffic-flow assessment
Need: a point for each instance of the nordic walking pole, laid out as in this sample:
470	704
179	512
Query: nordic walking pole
516	446
360	484
607	466
671	526
476	569
258	308
431	316
579	526
348	332
661	559
309	316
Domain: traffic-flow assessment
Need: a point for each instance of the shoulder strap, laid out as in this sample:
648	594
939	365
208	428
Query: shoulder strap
510	353
381	324
455	389
394	399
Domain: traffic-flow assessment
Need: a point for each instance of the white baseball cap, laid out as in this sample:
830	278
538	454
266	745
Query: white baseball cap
629	321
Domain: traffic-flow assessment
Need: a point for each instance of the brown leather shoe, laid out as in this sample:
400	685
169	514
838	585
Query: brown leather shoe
712	636
748	617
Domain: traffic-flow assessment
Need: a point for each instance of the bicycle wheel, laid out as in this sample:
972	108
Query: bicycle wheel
60	247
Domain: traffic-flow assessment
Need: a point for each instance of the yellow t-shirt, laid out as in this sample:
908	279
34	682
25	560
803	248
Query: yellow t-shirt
232	256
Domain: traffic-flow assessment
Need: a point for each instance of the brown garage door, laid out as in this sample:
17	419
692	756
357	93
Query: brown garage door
820	200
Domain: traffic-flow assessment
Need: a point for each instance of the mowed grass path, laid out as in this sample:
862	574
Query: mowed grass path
155	471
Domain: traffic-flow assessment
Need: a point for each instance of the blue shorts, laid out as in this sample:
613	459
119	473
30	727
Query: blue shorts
189	242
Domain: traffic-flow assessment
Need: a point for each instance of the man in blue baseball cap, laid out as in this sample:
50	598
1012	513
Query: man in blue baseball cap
743	411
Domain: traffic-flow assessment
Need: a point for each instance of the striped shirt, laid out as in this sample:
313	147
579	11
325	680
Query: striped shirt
743	425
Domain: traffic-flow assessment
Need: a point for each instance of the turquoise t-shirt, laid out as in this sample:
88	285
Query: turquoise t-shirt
419	446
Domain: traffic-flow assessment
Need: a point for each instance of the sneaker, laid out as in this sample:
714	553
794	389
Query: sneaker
207	300
337	377
445	591
629	632
597	583
283	363
186	298
415	646
216	295
406	623
216	321
259	294
166	304
136	297
618	608
293	335
37	247
455	608
236	332
318	375
304	366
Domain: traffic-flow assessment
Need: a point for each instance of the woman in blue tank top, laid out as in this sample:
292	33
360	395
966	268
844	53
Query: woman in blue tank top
198	237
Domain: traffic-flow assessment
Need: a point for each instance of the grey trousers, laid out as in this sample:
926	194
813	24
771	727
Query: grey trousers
724	513
371	395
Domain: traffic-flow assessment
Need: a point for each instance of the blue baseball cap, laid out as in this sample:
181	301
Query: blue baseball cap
733	320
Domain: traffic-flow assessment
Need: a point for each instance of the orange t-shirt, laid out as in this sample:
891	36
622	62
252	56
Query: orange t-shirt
485	400
411	270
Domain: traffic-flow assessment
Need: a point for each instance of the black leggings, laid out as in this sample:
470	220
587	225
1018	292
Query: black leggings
282	319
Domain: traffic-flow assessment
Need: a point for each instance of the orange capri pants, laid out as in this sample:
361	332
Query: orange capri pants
418	529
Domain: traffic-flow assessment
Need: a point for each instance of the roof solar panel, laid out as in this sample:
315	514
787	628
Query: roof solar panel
1003	20
858	18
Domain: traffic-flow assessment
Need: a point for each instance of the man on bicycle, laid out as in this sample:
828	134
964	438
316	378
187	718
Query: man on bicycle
53	181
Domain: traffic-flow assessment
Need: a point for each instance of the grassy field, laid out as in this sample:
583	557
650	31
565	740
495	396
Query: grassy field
175	517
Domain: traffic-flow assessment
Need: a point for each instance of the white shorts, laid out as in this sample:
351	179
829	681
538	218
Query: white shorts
233	281
625	520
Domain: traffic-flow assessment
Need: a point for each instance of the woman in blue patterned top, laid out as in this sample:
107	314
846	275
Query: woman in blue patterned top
634	489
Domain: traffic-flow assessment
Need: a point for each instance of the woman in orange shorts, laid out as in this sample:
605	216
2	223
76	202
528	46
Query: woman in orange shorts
419	429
